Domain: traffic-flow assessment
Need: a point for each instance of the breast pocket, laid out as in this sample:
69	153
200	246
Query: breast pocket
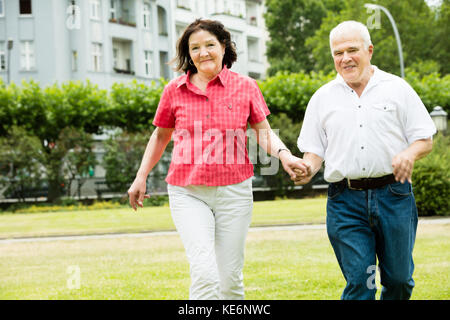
231	113
384	115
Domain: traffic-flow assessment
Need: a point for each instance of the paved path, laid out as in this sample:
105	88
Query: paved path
165	233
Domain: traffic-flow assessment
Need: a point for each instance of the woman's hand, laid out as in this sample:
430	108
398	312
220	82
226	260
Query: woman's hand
136	193
153	152
293	165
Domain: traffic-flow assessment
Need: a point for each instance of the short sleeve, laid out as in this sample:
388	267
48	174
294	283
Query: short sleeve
164	116
312	136
258	107
418	123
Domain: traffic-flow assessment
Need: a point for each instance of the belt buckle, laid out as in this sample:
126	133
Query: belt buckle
349	185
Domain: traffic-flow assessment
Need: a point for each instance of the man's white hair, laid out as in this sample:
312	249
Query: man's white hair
352	27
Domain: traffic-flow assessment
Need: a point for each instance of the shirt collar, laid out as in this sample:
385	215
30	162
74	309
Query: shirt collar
222	76
378	75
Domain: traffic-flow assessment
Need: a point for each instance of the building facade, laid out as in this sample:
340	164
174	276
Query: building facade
109	41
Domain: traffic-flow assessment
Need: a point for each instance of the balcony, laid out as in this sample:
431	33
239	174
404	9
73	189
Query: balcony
123	71
122	56
121	12
125	22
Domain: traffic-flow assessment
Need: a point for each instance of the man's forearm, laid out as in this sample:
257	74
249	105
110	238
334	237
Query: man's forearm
420	148
314	161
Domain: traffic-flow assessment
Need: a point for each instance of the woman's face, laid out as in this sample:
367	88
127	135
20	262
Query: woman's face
206	52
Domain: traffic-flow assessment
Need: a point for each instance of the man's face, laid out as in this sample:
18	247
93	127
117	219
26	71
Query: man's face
351	59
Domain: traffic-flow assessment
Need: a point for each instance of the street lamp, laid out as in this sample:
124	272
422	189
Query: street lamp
397	35
9	47
439	117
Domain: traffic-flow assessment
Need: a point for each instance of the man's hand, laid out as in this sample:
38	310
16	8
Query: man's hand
292	164
137	193
403	164
301	178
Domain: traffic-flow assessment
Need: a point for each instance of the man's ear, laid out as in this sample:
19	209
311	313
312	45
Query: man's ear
370	50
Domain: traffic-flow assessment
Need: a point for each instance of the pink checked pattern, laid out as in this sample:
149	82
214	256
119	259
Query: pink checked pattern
230	102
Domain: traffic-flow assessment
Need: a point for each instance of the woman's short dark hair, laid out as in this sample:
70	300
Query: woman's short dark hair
212	26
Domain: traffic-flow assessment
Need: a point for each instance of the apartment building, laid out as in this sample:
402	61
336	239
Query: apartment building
109	41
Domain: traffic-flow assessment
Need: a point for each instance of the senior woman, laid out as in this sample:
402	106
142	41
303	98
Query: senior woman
206	112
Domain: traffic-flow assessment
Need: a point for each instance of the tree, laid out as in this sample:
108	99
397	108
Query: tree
123	154
289	93
415	22
133	104
290	23
21	159
441	46
79	158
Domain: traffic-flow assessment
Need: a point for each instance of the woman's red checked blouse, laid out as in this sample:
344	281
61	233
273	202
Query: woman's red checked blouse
210	128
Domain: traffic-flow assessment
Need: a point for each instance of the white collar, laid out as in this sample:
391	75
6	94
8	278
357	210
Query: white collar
377	76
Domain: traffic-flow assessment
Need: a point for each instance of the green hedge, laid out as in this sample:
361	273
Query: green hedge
47	112
431	179
290	93
44	112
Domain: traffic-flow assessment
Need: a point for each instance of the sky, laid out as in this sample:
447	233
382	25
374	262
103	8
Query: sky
433	2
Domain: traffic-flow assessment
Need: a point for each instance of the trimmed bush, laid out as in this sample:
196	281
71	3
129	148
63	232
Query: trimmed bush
431	179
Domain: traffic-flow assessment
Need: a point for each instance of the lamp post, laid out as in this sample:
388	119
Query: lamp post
397	35
439	117
10	46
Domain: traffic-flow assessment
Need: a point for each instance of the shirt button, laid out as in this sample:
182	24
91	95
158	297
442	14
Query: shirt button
362	148
360	125
359	106
207	99
364	169
207	116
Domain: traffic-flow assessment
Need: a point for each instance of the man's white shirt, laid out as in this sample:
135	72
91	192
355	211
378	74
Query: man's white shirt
359	136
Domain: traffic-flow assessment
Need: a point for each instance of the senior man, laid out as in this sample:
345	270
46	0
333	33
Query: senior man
369	127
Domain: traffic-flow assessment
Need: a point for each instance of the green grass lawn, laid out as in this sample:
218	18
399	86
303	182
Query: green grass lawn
147	219
279	265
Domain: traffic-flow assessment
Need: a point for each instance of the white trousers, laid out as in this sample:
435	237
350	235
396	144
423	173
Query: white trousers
213	224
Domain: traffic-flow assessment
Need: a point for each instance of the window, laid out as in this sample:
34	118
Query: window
183	4
162	21
148	62
27	60
146	14
253	49
2	57
113	10
25	7
2	12
163	67
95	9
97	57
115	58
74	60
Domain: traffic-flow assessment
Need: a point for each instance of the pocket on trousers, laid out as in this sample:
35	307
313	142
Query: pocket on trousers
400	189
242	190
334	190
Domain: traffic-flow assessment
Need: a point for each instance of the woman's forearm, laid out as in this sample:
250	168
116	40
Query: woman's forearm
154	150
267	139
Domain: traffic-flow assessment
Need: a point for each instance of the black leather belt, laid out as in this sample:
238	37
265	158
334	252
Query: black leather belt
367	183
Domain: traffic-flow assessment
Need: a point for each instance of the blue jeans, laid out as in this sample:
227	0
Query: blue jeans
364	225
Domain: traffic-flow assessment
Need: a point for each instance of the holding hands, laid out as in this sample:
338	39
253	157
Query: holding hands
297	168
